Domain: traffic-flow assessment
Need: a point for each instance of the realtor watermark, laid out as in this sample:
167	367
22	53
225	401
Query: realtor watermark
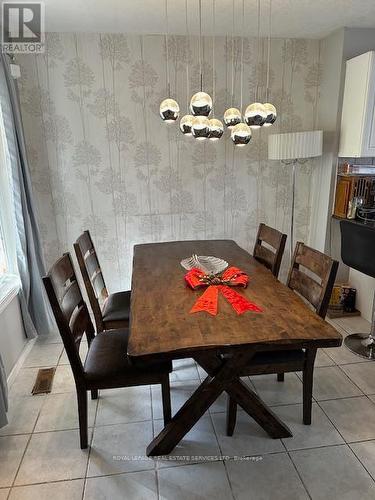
187	458
22	27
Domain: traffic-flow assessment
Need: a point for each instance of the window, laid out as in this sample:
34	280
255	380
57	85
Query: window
3	262
9	281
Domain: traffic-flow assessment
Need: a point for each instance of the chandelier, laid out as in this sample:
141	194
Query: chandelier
197	122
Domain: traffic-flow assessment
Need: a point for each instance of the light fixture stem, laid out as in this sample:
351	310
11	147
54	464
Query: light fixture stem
200	44
242	35
258	54
187	56
232	53
167	48
213	55
269	50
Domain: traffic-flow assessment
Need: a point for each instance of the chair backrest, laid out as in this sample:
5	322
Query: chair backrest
358	246
269	248
312	274
92	276
70	311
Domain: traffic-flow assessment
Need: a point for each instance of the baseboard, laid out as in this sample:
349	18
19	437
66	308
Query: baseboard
17	367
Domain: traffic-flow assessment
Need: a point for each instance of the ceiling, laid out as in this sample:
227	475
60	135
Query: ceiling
291	18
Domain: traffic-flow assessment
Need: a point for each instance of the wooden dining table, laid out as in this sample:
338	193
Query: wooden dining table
162	328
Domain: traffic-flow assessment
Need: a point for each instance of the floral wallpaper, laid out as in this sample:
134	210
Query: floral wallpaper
102	159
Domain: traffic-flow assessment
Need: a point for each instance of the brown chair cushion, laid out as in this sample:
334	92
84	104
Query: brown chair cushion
107	362
117	307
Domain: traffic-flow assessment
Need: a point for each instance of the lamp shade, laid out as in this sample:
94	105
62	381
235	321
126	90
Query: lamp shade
296	145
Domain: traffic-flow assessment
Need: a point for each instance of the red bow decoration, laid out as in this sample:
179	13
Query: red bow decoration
208	301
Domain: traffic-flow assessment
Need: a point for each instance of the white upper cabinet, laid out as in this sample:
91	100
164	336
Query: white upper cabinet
357	136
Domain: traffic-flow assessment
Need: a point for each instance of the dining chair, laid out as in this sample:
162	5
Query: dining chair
107	365
111	310
269	248
312	275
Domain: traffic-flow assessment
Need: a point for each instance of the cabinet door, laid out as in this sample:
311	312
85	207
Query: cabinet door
369	119
343	190
357	135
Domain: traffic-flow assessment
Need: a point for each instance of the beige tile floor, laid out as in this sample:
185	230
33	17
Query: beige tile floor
334	458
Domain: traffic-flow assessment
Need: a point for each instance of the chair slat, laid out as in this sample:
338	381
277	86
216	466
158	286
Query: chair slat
276	240
85	243
305	286
79	322
314	260
62	273
270	235
71	299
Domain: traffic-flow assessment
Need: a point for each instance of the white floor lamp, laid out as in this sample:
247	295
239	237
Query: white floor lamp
293	148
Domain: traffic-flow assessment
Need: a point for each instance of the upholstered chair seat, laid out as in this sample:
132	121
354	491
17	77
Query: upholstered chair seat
117	307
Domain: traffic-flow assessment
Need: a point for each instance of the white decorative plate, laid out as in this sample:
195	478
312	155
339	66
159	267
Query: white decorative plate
208	264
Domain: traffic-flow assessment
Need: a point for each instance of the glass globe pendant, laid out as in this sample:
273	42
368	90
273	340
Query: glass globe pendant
255	115
216	129
169	110
232	117
200	127
186	123
271	114
240	134
201	104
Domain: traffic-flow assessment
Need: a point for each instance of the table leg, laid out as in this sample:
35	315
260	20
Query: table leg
248	400
186	417
223	377
254	406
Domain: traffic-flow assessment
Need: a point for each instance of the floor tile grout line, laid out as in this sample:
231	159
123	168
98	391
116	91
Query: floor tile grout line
322	446
221	452
90	444
41	483
361	441
360	461
22	458
156	468
332	422
338	399
295	468
79	478
153	427
345	441
352	381
28	441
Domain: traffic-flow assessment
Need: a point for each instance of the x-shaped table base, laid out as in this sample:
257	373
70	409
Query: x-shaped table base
222	376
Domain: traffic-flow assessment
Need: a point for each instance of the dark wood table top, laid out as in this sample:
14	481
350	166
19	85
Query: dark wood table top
161	325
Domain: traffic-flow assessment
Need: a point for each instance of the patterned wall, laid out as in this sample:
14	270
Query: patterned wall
102	159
